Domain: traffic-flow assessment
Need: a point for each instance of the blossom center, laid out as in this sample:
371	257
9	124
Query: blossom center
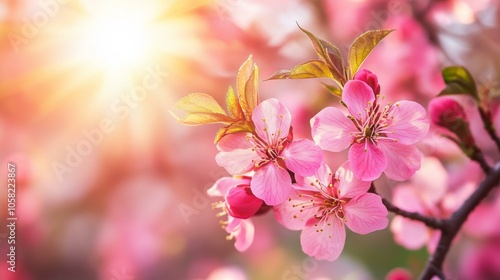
267	151
375	125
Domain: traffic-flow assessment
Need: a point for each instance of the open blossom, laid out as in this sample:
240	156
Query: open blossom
271	152
323	204
379	136
239	204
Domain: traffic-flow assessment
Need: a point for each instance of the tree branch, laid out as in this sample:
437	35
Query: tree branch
452	225
429	221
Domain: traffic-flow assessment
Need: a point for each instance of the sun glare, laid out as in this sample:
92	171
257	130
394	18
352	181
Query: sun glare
116	41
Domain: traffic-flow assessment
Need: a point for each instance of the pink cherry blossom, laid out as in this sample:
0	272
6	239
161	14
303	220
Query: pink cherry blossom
270	152
322	205
380	137
240	203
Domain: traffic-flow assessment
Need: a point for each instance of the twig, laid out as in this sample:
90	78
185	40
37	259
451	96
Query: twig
485	117
452	225
429	221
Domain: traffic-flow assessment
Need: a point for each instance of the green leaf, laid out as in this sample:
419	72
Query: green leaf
306	70
458	81
362	47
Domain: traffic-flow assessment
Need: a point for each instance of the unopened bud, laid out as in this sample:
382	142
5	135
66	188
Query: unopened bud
448	113
369	78
242	203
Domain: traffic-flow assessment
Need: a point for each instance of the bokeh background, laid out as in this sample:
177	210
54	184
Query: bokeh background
111	187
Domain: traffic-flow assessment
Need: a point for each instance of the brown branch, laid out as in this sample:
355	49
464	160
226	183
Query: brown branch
429	221
452	225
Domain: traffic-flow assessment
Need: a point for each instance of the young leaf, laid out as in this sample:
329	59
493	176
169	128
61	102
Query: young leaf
458	81
201	109
362	47
333	90
310	69
233	106
247	83
239	126
329	54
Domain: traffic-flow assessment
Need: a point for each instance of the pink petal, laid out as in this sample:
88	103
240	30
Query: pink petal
291	214
271	183
409	122
236	155
349	185
331	130
303	157
271	120
358	96
241	203
323	240
323	176
367	161
243	231
366	213
407	197
402	161
410	234
222	186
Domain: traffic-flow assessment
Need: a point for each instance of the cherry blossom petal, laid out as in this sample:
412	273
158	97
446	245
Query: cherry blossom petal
367	161
366	213
291	214
410	234
271	183
236	155
243	231
222	186
406	197
409	122
357	95
349	186
331	130
323	176
402	161
238	161
241	203
272	120
323	240
303	157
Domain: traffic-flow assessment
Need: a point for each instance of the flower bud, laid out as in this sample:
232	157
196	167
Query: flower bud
448	113
369	78
241	203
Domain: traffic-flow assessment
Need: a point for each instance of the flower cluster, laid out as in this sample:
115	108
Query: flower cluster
272	169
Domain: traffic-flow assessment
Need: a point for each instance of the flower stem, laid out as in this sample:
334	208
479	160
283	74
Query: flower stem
486	118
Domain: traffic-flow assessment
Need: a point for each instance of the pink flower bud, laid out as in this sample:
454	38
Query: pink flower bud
446	112
399	274
369	78
241	203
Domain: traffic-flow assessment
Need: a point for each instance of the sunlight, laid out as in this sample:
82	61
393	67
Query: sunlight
116	40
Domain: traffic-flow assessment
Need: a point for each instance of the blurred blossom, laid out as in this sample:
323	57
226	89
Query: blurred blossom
430	193
227	273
